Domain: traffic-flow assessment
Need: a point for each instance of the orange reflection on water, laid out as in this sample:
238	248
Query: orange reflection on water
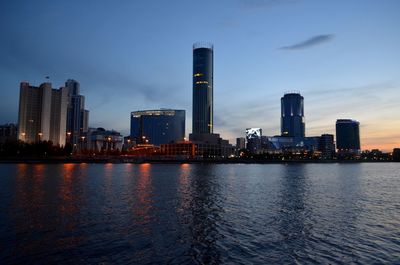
70	202
67	170
184	186
144	200
108	170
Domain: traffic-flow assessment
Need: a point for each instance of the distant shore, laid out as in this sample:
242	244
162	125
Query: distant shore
141	160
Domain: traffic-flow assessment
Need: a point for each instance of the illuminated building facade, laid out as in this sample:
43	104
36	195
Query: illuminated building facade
42	113
183	150
347	137
158	126
253	137
292	115
100	140
202	120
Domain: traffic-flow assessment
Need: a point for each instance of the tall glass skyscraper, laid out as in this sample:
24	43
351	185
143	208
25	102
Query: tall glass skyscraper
78	117
202	120
292	115
348	136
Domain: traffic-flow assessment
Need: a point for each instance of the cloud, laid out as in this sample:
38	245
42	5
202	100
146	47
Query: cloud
313	41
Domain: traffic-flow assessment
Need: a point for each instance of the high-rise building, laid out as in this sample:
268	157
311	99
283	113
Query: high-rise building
78	117
240	143
327	146
42	113
158	126
348	137
202	120
58	116
292	115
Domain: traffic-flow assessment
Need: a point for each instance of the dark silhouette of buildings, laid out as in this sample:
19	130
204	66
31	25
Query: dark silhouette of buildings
240	143
396	154
202	120
347	137
292	115
327	146
8	132
157	126
77	117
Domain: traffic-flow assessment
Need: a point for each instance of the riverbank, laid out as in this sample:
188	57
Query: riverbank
141	160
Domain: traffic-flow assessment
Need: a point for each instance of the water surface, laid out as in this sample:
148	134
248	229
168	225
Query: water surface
200	214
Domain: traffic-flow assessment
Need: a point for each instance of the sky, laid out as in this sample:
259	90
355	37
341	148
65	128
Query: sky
343	56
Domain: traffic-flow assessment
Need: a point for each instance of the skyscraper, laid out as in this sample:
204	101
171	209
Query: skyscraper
77	118
240	143
42	113
292	115
348	137
158	126
202	121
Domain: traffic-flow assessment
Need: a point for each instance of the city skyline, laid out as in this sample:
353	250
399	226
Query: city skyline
339	74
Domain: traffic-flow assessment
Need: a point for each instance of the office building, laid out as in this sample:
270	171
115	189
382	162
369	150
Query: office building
292	115
240	143
327	146
202	119
347	137
208	144
8	132
158	126
77	117
42	113
253	137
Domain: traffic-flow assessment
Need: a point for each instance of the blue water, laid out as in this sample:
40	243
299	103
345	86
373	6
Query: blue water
200	214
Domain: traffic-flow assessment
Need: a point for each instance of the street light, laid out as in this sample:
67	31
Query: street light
69	137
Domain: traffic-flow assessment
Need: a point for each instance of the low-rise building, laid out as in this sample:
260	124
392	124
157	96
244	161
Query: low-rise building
182	149
8	132
101	140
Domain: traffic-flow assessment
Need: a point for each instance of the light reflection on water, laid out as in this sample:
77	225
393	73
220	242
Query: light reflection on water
199	214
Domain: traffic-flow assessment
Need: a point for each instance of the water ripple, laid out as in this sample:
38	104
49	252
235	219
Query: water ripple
200	214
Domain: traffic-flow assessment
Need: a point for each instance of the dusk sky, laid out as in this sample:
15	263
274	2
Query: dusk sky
343	56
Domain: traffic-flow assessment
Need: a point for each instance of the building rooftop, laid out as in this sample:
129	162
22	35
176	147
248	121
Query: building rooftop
159	112
202	44
347	121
